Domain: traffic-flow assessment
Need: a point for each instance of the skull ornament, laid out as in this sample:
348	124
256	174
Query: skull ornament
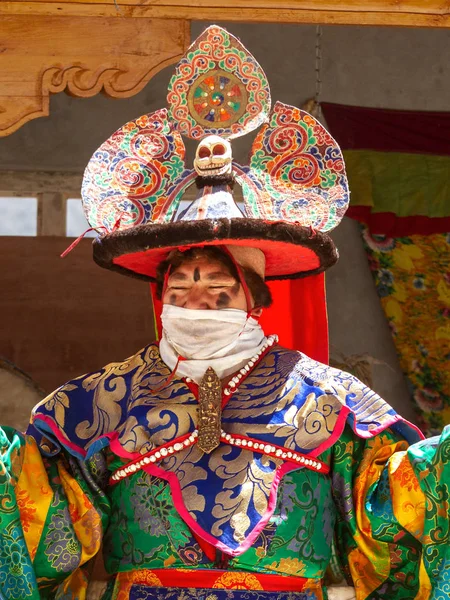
213	157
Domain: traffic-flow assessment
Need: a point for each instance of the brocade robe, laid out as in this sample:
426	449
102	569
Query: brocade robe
227	522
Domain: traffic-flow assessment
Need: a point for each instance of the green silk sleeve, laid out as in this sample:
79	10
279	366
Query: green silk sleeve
52	517
430	462
393	515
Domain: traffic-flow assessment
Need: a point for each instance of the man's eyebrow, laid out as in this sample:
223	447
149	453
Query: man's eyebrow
219	275
178	275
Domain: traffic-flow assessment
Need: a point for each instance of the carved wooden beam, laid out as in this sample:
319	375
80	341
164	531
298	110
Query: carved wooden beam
116	46
42	55
406	13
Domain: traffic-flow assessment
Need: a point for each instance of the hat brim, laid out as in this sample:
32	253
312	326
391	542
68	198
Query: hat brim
291	251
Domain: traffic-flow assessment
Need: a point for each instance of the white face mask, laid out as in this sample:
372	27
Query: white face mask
203	334
222	339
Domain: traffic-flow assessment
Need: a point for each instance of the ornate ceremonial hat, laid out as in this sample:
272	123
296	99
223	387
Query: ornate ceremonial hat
293	190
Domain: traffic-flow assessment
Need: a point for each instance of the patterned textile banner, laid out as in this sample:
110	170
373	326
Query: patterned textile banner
398	165
412	275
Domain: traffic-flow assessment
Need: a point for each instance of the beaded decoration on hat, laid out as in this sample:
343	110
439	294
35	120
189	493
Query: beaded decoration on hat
294	187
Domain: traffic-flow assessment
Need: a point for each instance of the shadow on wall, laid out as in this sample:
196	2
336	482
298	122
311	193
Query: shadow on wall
18	394
62	318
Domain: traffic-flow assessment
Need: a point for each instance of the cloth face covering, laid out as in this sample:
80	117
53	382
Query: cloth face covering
222	339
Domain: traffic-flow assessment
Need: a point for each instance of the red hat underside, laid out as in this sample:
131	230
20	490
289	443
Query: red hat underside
282	259
291	251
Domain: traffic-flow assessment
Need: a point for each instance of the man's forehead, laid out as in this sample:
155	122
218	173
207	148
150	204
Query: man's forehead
208	269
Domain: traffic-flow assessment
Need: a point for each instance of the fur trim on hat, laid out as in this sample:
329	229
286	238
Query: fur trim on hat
291	251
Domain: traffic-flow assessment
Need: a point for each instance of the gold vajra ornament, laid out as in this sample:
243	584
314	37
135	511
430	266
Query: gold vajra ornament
209	411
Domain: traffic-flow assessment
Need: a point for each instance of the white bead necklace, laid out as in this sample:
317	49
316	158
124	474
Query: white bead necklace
188	440
159	454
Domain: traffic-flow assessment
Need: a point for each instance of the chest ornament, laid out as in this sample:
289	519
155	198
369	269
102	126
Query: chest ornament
209	411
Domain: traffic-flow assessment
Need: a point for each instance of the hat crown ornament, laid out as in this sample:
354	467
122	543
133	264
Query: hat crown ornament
218	92
213	157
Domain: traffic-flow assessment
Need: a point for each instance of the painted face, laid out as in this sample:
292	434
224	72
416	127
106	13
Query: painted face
204	284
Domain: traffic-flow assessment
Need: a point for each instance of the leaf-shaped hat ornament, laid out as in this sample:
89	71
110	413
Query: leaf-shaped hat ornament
298	171
133	177
294	188
218	88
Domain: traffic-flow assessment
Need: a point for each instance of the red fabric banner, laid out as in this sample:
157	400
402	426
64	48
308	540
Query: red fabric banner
387	130
391	225
393	136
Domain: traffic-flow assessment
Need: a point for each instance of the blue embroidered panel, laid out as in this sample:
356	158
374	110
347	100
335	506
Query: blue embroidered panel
141	592
288	400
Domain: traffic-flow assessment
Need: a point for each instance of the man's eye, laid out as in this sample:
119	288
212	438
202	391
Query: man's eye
177	288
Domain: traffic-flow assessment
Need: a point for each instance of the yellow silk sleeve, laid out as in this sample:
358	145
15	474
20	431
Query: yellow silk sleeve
33	495
382	518
54	511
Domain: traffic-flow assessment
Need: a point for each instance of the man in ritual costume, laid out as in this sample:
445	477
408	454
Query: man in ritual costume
218	464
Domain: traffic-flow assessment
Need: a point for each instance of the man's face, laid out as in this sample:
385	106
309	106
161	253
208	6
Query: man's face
204	283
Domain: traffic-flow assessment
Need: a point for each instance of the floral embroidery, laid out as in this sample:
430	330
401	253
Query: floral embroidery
61	546
151	507
27	508
16	572
288	566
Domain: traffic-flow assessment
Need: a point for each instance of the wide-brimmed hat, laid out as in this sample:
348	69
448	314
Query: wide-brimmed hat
292	192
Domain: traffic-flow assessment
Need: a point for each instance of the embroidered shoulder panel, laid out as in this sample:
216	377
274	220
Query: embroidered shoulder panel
118	401
369	413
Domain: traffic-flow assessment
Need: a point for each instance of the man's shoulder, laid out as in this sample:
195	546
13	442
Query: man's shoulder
97	403
366	412
143	361
148	354
300	365
145	357
323	377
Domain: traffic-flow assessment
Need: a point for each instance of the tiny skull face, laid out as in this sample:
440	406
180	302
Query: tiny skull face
213	157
